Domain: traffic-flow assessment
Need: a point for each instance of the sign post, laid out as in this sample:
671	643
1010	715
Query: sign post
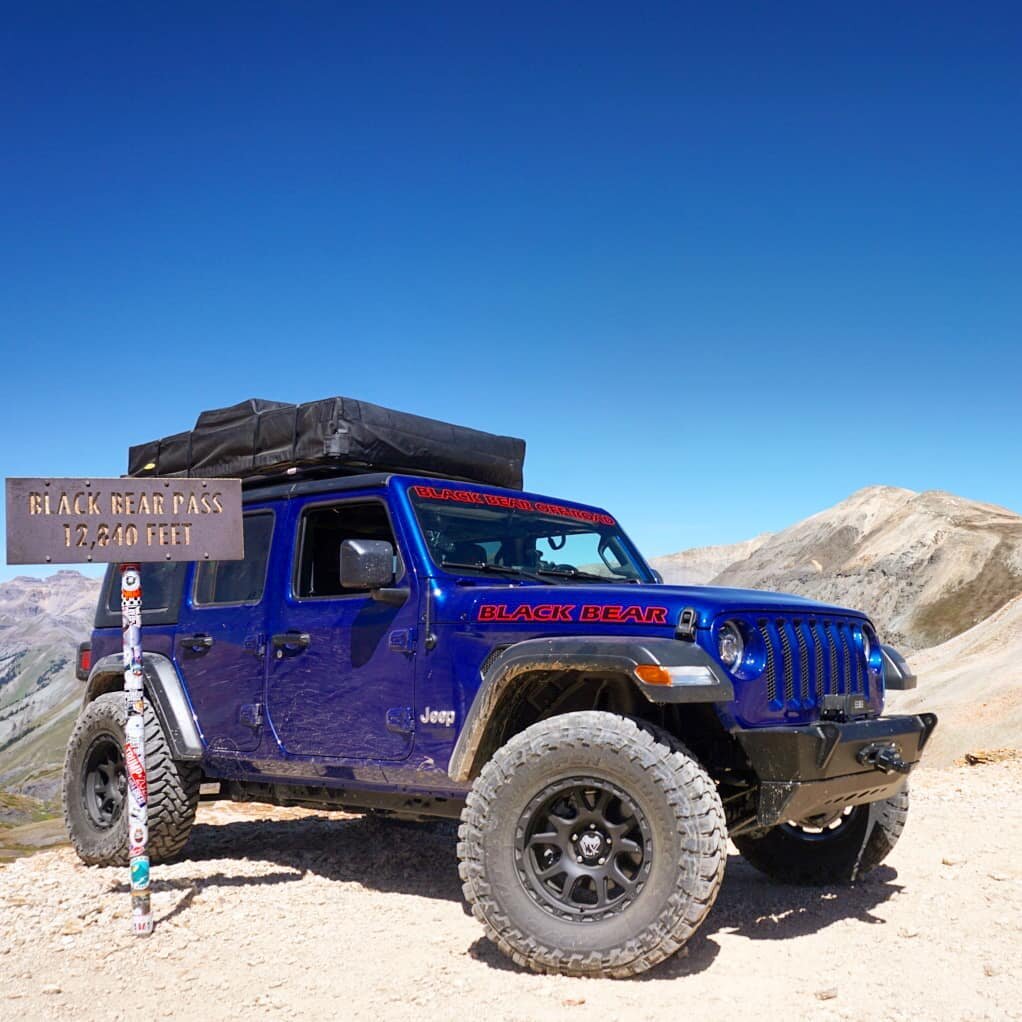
128	522
134	748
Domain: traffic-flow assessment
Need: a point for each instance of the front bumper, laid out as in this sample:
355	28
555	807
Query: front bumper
818	768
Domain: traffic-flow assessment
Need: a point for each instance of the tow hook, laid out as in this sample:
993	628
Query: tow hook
883	757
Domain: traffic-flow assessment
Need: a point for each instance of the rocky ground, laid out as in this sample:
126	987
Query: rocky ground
282	914
974	683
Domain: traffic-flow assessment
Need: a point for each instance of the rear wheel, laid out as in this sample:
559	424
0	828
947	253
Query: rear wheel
589	846
95	787
835	848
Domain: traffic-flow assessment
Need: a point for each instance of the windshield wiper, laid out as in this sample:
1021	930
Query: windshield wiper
496	569
589	576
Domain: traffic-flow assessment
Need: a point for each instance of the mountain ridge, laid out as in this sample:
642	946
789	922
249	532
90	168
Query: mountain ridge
41	623
925	566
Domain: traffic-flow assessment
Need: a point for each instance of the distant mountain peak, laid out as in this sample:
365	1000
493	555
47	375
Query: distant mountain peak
880	490
60	576
925	566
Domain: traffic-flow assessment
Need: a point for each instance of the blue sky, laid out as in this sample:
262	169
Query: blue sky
720	265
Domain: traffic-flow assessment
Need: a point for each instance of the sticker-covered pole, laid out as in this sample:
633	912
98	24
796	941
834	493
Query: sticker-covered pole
134	749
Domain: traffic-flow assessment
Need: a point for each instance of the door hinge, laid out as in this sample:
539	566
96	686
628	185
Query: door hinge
400	720
255	644
402	640
251	714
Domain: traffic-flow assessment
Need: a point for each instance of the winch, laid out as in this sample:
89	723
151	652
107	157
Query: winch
885	757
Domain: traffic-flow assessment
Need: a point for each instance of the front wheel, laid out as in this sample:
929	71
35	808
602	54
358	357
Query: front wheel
95	787
590	846
833	849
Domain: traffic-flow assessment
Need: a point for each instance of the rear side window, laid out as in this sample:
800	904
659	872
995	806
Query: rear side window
220	582
323	530
162	583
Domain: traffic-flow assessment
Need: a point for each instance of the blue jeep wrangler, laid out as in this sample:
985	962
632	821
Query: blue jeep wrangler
422	647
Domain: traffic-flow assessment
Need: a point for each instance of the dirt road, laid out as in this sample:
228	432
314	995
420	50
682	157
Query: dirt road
284	914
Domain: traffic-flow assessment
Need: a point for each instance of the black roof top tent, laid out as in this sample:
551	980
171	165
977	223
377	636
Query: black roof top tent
260	441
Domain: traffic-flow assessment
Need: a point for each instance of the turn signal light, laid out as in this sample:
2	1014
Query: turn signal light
653	674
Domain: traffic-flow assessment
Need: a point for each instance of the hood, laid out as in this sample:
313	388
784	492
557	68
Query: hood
709	601
644	606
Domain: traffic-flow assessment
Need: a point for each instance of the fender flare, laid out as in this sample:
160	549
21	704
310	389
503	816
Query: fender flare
166	692
698	678
898	676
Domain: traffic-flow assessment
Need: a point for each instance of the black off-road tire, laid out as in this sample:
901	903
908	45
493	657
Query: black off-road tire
173	788
684	838
864	838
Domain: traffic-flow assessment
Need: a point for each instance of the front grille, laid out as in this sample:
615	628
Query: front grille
770	668
807	658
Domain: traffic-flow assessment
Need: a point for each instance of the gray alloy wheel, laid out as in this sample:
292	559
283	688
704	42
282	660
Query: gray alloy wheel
591	846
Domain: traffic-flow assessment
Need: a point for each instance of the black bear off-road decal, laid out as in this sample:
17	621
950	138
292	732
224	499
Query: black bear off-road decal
611	613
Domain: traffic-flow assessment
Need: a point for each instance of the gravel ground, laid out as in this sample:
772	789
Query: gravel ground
283	914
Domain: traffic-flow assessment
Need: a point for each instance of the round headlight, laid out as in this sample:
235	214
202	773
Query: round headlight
871	650
730	645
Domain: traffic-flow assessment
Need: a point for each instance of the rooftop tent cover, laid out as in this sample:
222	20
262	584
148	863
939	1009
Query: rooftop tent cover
258	438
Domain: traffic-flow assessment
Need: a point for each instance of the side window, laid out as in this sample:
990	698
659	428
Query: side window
238	581
162	585
323	530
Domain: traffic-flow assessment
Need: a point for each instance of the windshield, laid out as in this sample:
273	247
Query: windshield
472	531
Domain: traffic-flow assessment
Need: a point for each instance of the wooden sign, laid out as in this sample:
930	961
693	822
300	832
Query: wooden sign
75	521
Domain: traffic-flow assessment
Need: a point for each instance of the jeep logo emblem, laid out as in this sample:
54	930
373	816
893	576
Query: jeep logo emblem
445	718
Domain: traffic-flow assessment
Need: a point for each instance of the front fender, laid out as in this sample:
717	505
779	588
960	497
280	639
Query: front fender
695	678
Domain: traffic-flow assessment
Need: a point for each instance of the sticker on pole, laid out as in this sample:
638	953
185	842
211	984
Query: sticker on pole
75	521
137	783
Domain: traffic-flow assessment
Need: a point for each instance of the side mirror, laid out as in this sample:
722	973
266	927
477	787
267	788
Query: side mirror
366	564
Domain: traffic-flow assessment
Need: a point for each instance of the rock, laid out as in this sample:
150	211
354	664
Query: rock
990	756
49	988
826	995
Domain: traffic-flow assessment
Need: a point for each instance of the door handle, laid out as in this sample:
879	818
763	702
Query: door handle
197	643
291	640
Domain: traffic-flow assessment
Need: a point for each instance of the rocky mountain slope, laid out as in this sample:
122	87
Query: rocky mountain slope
925	566
974	682
41	623
700	565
